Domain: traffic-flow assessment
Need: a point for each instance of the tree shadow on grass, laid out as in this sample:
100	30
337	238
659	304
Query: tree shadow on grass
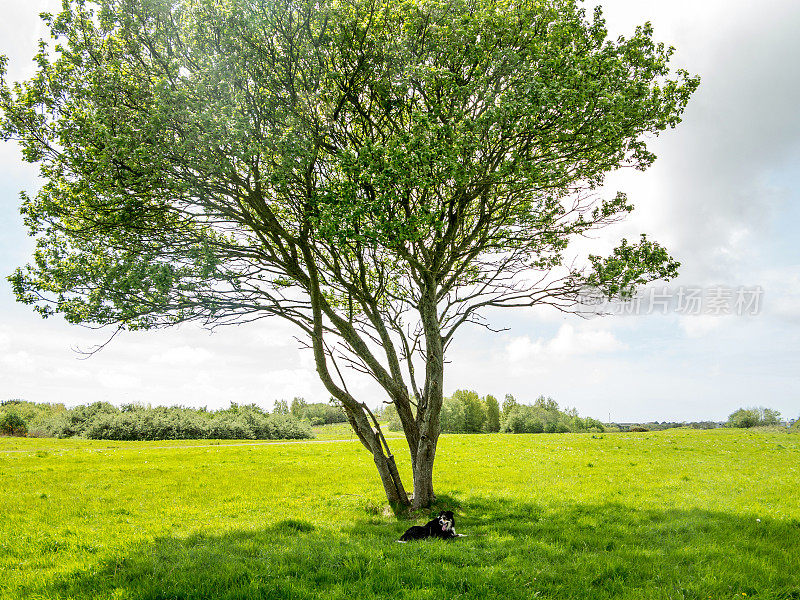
513	550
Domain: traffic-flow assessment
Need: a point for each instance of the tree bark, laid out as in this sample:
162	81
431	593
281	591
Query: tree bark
395	492
423	476
431	404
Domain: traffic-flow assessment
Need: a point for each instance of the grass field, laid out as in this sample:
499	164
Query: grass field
675	514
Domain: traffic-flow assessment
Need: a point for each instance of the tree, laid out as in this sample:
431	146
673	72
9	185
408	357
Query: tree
492	408
473	411
281	407
508	404
753	417
375	172
743	418
770	416
11	423
546	404
298	408
451	417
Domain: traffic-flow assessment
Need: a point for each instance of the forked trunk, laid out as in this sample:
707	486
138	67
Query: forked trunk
423	477
392	485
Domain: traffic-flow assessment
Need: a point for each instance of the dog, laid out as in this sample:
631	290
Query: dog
442	527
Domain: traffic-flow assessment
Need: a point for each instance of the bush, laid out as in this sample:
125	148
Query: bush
12	424
522	419
135	422
75	421
753	417
148	424
545	417
317	413
323	414
287	428
32	414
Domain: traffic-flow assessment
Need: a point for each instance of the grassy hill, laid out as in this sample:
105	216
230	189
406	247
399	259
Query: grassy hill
673	514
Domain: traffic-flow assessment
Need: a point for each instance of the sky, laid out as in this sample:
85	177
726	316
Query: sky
723	197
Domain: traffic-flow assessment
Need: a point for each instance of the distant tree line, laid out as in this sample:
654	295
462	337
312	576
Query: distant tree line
316	413
102	420
466	412
754	417
463	412
661	426
742	418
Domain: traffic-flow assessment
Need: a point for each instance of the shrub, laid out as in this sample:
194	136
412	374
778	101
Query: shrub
753	417
545	417
523	419
323	414
288	428
135	422
12	424
593	425
31	413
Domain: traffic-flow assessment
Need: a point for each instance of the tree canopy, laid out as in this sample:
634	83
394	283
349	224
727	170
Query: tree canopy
376	172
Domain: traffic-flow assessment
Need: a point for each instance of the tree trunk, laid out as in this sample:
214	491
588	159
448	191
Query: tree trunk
423	475
431	403
395	492
373	440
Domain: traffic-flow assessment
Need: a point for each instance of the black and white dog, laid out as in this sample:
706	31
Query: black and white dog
443	527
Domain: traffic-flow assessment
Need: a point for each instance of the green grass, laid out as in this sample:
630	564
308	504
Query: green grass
674	514
343	431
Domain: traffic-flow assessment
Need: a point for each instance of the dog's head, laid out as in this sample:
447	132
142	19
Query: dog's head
447	520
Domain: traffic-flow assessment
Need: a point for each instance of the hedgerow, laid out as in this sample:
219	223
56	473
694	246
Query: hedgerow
104	421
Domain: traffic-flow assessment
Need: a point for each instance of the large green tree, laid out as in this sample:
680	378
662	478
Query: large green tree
376	172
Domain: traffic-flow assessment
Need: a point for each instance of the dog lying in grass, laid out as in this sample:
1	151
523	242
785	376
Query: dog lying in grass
443	527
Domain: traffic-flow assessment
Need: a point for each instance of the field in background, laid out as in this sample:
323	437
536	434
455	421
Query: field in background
343	431
673	514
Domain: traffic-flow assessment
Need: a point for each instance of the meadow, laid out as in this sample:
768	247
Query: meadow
674	514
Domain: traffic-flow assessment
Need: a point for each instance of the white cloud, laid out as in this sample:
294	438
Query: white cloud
781	296
182	356
19	362
697	326
712	196
786	308
567	342
522	348
287	383
273	333
71	374
117	380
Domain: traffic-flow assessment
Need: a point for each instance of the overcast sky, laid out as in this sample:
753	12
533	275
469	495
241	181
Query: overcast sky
722	196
